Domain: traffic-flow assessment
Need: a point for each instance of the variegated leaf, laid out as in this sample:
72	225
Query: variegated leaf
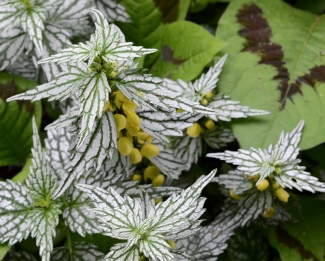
32	24
188	149
40	182
112	10
12	45
72	15
57	145
24	67
218	137
156	247
10	13
161	124
194	91
118	216
65	120
14	207
55	39
21	255
296	177
235	180
43	223
64	85
93	96
81	251
168	163
180	210
98	146
227	109
119	253
205	245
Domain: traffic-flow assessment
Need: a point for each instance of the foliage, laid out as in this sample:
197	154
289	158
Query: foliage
130	97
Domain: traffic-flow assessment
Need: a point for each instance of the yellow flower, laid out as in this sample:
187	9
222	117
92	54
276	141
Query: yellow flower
120	121
263	185
135	156
151	172
270	213
159	180
125	145
282	195
136	177
194	131
234	196
149	150
133	119
210	124
171	243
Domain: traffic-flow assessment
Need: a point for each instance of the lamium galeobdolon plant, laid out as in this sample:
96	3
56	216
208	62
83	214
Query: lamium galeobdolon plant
122	136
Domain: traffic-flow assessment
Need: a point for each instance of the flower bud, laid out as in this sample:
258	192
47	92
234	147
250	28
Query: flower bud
115	65
204	102
120	121
132	131
269	213
278	170
136	177
133	119
171	243
159	180
135	156
151	172
210	124
194	131
234	196
207	95
275	185
158	200
263	185
282	195
149	150
143	136
125	145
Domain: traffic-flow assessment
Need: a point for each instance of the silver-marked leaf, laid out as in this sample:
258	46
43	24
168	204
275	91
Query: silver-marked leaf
117	168
227	109
31	22
43	223
65	120
12	45
14	208
161	124
188	149
296	177
218	137
10	14
64	85
72	16
205	245
119	253
180	211
40	182
24	67
93	96
235	180
54	39
21	255
168	163
57	145
118	216
112	10
81	251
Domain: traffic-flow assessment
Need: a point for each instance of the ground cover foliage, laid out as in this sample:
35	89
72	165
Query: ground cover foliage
162	130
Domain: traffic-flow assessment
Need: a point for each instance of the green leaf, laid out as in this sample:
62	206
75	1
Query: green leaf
4	248
23	174
303	240
185	49
16	120
276	63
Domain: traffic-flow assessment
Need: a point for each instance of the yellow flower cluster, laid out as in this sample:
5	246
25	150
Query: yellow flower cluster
278	192
200	127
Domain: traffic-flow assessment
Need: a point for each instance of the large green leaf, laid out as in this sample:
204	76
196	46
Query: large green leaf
185	49
276	63
16	120
149	17
304	240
